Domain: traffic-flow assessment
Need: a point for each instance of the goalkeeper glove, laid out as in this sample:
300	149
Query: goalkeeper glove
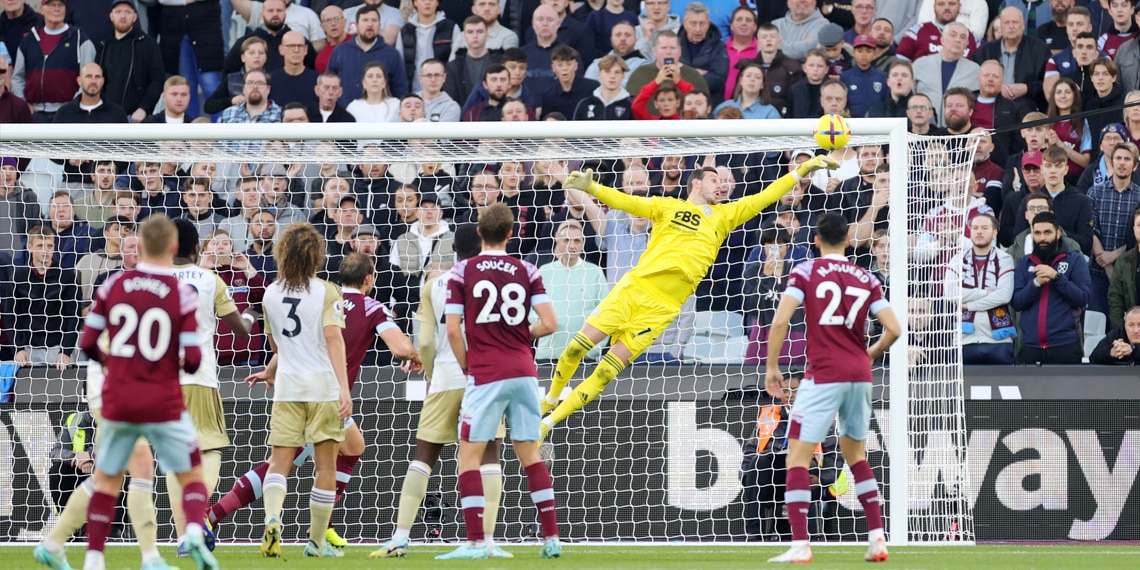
583	181
816	163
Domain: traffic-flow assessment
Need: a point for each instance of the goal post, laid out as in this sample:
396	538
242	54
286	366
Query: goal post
666	417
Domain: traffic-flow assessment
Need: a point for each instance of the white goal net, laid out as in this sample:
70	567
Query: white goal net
672	451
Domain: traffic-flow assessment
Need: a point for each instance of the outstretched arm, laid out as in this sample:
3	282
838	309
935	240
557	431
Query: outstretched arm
636	205
749	207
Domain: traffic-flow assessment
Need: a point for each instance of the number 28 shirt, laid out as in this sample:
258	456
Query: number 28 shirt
494	292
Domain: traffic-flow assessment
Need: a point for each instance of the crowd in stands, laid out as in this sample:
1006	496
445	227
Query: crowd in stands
1051	221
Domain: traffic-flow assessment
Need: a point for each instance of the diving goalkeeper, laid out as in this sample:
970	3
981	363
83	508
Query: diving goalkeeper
687	234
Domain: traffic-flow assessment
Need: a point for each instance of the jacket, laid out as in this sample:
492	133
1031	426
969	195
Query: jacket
1102	354
348	61
1050	313
456	84
45	308
1128	65
106	112
803	103
1095	102
865	88
339	115
1016	250
273	58
779	77
132	69
13	109
1074	212
407	255
890	108
160	118
711	56
1028	64
200	21
573	33
800	37
928	80
78	434
1122	288
645	43
595	108
49	82
1008	112
12	31
441	30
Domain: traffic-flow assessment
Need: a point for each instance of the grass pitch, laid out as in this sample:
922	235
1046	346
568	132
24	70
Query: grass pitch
1006	556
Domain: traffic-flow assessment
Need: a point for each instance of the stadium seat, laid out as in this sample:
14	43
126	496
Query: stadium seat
1095	323
718	323
1090	344
718	338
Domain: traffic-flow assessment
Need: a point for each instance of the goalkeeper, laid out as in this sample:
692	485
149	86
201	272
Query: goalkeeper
687	234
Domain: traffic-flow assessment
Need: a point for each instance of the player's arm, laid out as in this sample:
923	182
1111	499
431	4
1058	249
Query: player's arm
636	205
891	331
334	341
748	208
93	326
777	333
189	341
425	314
270	371
400	344
547	321
455	338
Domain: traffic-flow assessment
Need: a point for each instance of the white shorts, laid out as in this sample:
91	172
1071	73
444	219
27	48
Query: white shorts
816	405
175	443
484	405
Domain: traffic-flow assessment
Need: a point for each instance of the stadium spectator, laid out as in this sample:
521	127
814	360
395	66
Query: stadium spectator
695	105
655	20
863	14
405	210
603	19
374	185
1111	135
484	190
273	182
1123	27
986	172
429	238
920	114
246	286
376	105
610	101
193	46
350	58
254	51
127	205
702	48
938	73
804	99
799	27
391	20
299	18
272	29
569	87
262	228
664	95
743	44
1023	58
44	306
19	207
439	106
496	81
466	67
197	200
247	196
780	71
175	100
1119	346
1122	286
13	109
545	37
983	278
838	53
105	259
1072	136
72	236
96	206
16	19
412	109
1073	209
575	286
44	76
294	82
623	41
90	106
256	106
883	32
131	62
926	37
666	53
335	27
958	104
1113	203
327	108
766	271
900	83
1036	203
1105	96
1077	22
427	35
865	82
1051	288
499	37
750	96
993	110
72	456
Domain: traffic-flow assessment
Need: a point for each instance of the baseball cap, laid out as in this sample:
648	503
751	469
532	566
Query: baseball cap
132	3
802	152
863	40
429	197
830	35
1031	158
1114	128
366	229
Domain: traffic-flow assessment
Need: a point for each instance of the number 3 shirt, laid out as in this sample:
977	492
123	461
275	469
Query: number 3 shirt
296	319
494	292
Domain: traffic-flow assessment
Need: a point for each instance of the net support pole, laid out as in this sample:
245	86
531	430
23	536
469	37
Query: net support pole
898	442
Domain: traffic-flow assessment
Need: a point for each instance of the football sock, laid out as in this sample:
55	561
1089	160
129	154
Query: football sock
542	493
412	494
568	363
211	471
100	516
274	494
471	500
144	521
345	464
174	493
492	475
868	491
245	491
797	496
321	503
194	500
74	515
606	371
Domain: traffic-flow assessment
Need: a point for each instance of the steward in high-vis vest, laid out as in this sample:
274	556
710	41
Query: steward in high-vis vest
763	474
71	457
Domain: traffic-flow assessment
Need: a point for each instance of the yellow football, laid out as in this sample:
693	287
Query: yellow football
831	132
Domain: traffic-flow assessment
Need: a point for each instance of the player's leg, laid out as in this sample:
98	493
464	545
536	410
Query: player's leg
524	417
322	497
854	421
348	455
615	360
176	444
586	339
112	454
140	500
205	407
491	474
248	488
287	424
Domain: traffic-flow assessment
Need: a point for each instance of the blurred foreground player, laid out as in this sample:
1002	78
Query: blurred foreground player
837	297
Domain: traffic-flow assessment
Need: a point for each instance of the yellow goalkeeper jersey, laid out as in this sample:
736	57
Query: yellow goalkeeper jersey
685	237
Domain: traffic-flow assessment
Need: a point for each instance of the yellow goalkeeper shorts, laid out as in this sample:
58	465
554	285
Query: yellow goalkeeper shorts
633	316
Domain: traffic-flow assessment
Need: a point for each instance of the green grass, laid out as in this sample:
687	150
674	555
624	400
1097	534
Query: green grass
1008	556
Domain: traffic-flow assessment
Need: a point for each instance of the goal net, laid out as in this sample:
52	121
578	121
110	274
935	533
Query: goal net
679	448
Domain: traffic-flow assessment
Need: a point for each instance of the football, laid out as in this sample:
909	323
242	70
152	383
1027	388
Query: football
831	132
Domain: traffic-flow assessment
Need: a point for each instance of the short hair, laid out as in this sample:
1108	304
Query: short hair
121	221
158	233
495	223
1033	116
331	75
268	80
563	53
695	8
969	95
1087	36
665	34
1055	155
993	220
468	242
514	54
61	194
411	96
901	63
830	82
43	231
187	238
1046	218
252	41
608	62
1079	11
1109	65
832	229
493	69
260	211
568	224
174	81
132	196
1041	195
434	61
667	87
697	93
355	268
473	20
815	52
367	9
699	174
294	106
766	26
300	252
1128	146
729	112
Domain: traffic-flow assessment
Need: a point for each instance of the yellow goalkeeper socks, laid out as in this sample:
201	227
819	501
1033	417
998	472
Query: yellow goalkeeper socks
568	363
412	494
607	370
74	515
492	493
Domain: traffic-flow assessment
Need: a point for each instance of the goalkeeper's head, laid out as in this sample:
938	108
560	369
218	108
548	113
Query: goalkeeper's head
831	233
188	246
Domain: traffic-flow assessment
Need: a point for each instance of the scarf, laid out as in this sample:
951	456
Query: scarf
1001	319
